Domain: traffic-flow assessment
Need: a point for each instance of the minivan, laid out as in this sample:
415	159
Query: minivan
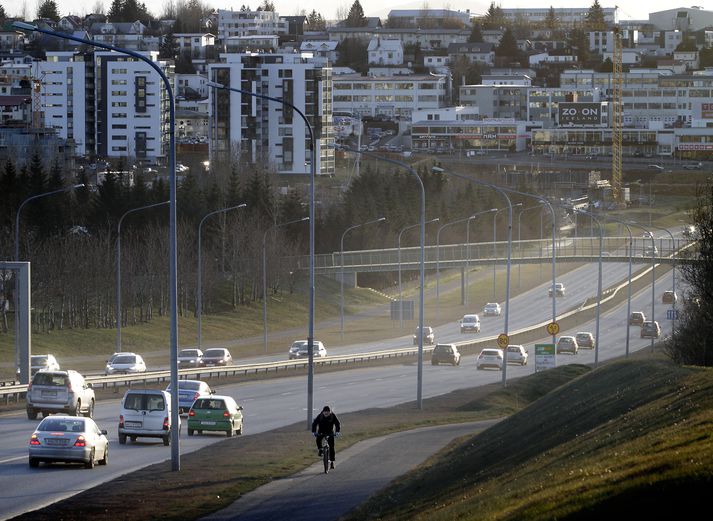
145	413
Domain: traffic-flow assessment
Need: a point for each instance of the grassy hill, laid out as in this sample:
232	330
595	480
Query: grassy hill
635	434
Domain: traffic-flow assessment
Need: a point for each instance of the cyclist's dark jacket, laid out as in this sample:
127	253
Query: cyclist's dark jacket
325	425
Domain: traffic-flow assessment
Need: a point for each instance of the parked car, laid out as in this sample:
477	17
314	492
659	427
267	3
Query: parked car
492	309
490	358
59	391
567	344
693	166
217	356
650	329
217	413
517	354
657	168
669	297
145	413
188	392
429	337
125	363
470	323
585	339
188	358
68	439
445	354
300	349
559	290
637	318
43	363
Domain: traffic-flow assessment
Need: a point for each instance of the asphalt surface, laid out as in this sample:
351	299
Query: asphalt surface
361	470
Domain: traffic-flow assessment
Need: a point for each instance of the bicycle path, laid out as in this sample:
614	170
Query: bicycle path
361	470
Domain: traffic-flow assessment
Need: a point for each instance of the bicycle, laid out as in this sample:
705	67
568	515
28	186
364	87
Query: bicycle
324	449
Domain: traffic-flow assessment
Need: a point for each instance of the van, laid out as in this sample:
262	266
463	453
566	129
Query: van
145	414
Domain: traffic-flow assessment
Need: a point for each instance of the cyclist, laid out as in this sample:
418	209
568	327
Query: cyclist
326	424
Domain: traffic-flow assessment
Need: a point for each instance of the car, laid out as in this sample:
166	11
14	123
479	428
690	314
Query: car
669	297
657	168
429	337
492	309
637	318
650	250
559	290
217	356
145	413
470	323
43	363
125	363
216	413
300	349
650	329
693	166
585	339
188	392
68	439
188	358
517	354
489	358
59	392
638	153
647	235
567	344
445	354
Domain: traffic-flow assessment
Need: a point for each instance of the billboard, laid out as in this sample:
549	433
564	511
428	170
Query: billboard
580	113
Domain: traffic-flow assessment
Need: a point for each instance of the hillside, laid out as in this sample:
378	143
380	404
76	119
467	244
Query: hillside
635	433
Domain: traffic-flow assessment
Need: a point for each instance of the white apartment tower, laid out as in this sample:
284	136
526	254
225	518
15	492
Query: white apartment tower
266	131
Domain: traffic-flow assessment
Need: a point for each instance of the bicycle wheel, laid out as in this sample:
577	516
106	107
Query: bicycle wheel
325	454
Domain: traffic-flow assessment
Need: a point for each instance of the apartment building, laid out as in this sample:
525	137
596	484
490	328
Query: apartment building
196	45
461	133
385	52
426	38
567	16
260	130
393	96
250	23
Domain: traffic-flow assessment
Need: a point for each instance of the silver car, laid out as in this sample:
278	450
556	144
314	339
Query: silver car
43	363
68	439
217	356
125	363
59	391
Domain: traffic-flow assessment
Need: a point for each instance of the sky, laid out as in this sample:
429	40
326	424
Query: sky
629	9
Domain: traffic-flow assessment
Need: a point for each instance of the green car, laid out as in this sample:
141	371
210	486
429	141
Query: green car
215	413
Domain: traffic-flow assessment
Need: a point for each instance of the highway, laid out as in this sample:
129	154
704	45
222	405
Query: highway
278	402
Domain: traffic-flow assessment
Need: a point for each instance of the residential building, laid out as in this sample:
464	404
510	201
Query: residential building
480	53
326	50
428	39
263	130
385	51
540	59
250	23
567	16
132	36
497	101
682	19
416	18
458	135
196	45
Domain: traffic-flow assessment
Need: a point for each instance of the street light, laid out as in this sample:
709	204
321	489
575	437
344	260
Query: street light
199	284
118	269
17	258
653	273
519	239
310	333
599	283
410	170
401	303
495	218
467	257
172	257
673	275
264	273
341	276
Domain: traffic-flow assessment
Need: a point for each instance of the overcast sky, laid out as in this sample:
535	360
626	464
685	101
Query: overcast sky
628	9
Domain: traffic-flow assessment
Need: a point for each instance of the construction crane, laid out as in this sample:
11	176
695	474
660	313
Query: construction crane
616	113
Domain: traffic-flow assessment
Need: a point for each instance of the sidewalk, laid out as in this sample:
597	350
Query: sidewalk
361	470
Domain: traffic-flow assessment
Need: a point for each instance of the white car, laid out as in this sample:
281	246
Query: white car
190	358
470	323
429	337
299	349
517	355
492	309
43	363
559	290
145	413
490	358
125	363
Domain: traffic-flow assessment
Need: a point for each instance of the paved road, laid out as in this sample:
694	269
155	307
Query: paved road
362	470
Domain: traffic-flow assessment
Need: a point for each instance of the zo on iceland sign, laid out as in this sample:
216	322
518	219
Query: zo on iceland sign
580	113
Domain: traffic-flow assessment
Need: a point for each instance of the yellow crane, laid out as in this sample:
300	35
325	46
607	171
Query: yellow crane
616	114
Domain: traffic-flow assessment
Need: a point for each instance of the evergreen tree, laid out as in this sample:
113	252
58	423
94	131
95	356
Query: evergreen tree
3	16
48	9
234	195
190	199
507	48
115	11
594	20
494	18
9	200
266	6
476	35
356	16
168	50
579	44
315	22
551	21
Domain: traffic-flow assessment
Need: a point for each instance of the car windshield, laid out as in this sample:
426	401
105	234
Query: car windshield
582	335
490	352
469	319
214	352
61	425
189	352
514	349
209	404
55	379
125	359
39	360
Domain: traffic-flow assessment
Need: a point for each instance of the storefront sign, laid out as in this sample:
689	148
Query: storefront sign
580	113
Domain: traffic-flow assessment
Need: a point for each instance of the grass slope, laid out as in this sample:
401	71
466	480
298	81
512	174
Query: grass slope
630	434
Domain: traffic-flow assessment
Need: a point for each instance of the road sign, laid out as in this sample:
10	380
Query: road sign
544	356
553	328
671	314
503	340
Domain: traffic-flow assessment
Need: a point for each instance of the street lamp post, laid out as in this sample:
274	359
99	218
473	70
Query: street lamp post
495	252
264	273
599	283
422	271
17	258
401	303
313	167
653	272
519	239
673	276
628	297
341	275
173	275
118	269
467	255
199	283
